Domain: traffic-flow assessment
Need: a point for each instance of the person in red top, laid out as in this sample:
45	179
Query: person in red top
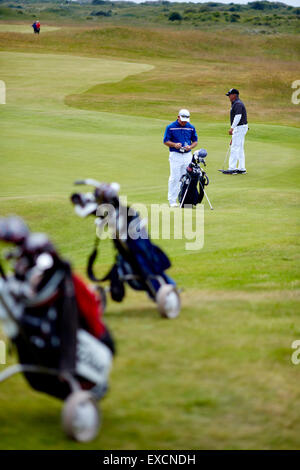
36	27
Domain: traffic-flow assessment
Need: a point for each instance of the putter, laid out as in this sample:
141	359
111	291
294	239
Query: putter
225	159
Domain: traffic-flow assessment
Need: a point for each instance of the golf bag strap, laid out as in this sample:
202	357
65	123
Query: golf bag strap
2	273
206	179
91	261
69	324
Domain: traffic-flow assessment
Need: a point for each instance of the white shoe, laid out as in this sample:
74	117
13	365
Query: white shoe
174	204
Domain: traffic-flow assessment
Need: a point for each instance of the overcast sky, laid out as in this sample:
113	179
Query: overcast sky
294	3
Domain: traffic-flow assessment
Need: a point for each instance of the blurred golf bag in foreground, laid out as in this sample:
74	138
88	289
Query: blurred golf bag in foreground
138	262
54	320
194	181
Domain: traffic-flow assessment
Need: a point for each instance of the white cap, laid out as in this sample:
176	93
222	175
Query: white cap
184	115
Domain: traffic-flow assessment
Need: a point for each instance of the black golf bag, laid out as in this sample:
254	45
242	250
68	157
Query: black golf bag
193	181
138	263
52	317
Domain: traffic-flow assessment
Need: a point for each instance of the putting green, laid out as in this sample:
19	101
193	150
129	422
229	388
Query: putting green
25	29
39	81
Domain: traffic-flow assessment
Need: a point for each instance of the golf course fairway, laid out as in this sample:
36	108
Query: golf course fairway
220	376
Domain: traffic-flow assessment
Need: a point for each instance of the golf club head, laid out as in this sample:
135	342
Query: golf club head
85	204
13	229
100	187
89	182
199	155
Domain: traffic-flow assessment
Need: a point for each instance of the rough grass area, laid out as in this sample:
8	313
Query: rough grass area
24	29
256	17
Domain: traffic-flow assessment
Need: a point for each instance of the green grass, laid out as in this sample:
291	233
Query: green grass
219	376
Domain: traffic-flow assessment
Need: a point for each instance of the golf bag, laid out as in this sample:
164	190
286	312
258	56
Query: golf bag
54	320
193	181
138	263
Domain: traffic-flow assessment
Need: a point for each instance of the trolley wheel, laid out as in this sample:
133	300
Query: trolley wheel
168	301
81	416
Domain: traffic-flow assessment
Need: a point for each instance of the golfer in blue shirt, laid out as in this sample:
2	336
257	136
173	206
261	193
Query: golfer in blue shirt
181	137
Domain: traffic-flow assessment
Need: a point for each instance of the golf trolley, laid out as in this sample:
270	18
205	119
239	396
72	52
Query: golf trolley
138	263
40	314
80	418
194	181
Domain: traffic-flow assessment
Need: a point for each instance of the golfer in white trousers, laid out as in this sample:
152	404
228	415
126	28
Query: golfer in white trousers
238	130
181	137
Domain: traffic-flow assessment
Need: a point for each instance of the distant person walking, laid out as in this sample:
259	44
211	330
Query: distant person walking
36	27
238	131
181	137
